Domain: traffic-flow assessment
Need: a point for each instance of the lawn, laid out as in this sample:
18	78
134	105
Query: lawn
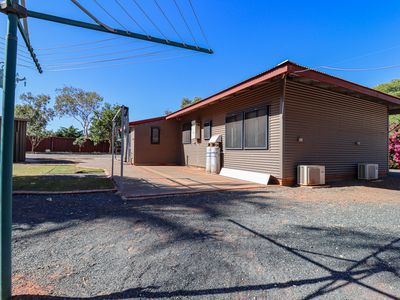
58	177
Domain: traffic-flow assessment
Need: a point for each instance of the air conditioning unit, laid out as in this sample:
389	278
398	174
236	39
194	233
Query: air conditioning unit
368	171
310	175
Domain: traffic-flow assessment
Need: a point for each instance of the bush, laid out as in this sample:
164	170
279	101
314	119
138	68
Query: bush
394	149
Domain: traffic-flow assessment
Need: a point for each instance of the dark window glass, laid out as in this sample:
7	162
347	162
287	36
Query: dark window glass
155	135
255	128
207	130
234	131
186	131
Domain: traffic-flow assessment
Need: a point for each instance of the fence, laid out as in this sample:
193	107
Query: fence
62	144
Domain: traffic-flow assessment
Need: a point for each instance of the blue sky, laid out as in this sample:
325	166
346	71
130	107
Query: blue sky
248	37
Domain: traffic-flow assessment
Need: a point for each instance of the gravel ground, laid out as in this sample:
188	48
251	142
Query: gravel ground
283	243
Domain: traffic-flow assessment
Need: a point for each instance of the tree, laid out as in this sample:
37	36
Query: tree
167	112
35	109
78	104
392	88
101	129
186	101
69	132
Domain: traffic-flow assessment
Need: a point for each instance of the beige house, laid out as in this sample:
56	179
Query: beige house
273	122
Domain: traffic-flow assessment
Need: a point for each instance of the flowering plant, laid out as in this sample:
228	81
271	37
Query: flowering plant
394	149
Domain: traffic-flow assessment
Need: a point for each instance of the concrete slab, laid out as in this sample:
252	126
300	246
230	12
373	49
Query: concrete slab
156	181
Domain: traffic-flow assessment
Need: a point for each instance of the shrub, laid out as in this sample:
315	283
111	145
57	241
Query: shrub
394	149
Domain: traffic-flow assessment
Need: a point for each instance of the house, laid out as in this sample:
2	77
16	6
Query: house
274	121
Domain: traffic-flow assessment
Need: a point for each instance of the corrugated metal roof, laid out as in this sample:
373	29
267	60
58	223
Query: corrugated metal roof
287	67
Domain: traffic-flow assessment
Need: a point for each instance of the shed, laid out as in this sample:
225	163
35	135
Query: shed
19	152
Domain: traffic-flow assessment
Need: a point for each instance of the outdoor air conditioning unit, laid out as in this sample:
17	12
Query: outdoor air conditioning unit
310	175
368	171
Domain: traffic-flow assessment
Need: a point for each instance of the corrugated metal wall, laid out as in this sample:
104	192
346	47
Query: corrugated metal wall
264	161
19	140
331	124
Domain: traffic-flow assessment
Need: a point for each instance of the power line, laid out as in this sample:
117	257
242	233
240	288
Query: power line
148	18
359	69
130	16
102	54
168	20
186	23
198	22
111	59
110	15
121	64
90	48
78	44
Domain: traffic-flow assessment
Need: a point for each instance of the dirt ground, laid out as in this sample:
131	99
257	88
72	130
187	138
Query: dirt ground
341	242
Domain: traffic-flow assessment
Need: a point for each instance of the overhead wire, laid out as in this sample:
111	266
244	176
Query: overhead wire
150	20
186	23
169	21
63	46
110	15
121	64
103	54
112	59
91	48
360	69
131	17
199	23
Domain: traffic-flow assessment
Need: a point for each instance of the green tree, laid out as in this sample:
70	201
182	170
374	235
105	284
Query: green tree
392	88
186	101
38	113
78	104
101	128
69	132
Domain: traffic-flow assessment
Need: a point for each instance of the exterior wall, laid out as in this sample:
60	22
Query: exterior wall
263	161
330	124
145	153
19	150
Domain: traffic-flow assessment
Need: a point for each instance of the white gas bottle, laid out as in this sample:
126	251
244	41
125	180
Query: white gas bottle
208	160
215	160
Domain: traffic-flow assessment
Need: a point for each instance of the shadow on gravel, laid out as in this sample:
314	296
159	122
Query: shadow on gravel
358	271
390	182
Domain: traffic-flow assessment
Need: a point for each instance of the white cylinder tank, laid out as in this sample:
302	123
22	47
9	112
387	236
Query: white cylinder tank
208	160
215	160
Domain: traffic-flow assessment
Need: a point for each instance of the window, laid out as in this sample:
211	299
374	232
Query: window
186	132
155	135
207	130
255	128
234	131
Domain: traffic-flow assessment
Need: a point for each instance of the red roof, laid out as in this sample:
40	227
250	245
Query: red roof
146	121
291	68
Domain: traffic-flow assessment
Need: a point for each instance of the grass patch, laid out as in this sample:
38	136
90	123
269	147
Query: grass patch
51	169
60	183
57	178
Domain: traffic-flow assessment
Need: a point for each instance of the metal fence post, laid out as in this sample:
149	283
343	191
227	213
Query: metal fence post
6	153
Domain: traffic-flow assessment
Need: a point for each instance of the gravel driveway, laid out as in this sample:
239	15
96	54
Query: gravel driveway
283	243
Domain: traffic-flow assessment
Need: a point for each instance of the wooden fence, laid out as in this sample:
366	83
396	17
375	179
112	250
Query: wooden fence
62	144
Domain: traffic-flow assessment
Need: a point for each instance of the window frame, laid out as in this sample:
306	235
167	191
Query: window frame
204	129
266	147
151	135
241	135
190	133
